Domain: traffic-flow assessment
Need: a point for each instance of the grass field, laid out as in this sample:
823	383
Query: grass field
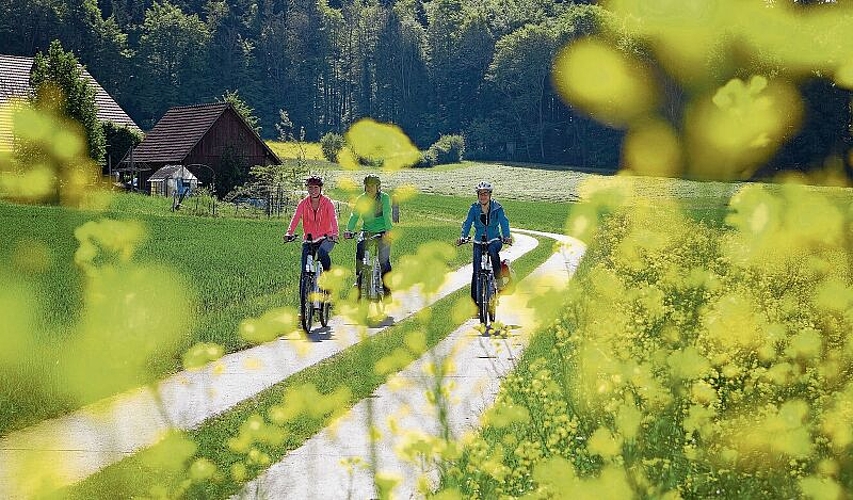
530	184
296	150
233	268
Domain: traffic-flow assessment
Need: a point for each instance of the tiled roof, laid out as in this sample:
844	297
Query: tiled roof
177	133
15	82
14	76
108	108
6	137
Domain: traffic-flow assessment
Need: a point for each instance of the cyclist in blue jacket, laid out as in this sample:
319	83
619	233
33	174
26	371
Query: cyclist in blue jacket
487	216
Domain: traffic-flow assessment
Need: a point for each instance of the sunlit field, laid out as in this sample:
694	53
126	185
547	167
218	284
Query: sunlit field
296	150
531	184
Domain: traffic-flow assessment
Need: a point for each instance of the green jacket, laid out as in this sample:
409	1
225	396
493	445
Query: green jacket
375	212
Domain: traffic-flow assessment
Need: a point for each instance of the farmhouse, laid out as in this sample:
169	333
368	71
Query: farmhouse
15	84
210	140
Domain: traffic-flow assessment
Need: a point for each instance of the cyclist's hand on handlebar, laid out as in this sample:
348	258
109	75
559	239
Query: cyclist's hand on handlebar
334	238
289	237
347	235
461	241
507	240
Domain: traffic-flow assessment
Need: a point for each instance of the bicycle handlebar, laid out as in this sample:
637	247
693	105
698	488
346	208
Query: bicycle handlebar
362	235
308	239
468	239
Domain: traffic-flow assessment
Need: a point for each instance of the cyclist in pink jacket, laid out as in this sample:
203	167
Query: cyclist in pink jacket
318	217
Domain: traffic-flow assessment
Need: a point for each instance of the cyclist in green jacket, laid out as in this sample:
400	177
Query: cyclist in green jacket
373	207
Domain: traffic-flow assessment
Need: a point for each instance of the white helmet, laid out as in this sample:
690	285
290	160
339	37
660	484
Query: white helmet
484	186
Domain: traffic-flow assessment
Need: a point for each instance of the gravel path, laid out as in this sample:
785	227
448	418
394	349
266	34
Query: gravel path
400	413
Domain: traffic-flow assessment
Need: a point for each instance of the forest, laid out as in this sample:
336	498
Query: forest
480	68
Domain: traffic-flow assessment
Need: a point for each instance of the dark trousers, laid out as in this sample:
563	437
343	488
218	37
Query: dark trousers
494	248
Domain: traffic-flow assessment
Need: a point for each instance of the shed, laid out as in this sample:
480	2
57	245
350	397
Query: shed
171	179
213	141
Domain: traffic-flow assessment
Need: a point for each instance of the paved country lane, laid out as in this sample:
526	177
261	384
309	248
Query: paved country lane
400	411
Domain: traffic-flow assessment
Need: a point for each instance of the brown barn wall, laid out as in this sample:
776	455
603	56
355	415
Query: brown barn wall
228	130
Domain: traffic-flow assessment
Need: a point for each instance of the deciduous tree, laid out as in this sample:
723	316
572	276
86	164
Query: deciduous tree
58	84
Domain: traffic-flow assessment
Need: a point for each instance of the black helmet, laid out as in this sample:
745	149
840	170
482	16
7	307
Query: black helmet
315	180
372	179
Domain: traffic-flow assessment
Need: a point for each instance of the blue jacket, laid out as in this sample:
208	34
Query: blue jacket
496	220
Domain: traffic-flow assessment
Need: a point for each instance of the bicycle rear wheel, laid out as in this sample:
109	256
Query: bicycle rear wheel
325	309
306	306
363	285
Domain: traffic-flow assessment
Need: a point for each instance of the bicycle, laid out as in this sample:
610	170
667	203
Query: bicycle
312	298
371	288
487	289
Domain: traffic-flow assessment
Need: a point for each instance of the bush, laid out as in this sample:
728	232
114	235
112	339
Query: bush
332	144
428	159
447	149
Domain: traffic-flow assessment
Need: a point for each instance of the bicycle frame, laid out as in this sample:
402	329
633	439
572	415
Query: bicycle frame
311	297
372	289
486	296
314	268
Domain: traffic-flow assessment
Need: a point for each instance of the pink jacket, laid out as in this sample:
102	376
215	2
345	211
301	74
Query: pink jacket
320	222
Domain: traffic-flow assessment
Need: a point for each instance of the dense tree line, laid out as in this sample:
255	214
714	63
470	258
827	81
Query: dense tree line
476	67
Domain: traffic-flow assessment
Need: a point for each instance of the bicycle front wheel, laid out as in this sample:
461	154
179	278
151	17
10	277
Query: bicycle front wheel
483	300
363	284
376	290
492	298
306	305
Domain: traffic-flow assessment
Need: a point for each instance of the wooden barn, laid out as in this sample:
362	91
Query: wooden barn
211	140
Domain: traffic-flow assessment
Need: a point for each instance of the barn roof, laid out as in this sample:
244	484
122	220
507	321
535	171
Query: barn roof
15	83
176	134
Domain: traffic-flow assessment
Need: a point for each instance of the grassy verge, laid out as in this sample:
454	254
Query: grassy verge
352	369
